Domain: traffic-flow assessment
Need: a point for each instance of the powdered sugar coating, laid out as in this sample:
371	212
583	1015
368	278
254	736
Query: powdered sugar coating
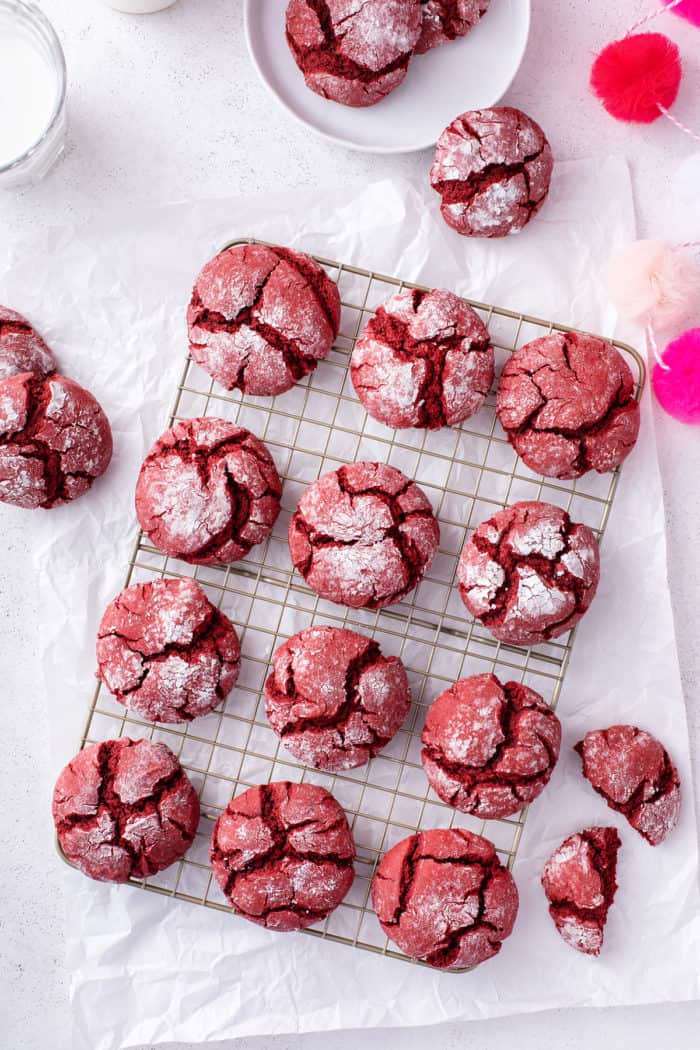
529	573
54	440
635	775
445	20
283	854
334	699
492	169
208	491
21	347
363	535
166	652
489	749
424	360
579	881
260	318
124	809
444	897
353	51
566	402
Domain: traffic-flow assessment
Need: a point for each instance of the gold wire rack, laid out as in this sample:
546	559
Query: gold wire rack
468	472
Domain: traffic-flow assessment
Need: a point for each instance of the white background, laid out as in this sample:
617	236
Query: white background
166	107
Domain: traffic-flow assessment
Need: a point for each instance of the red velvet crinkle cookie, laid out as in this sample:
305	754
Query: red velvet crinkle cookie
424	360
124	809
353	51
445	20
635	775
363	535
579	881
207	492
492	169
489	749
283	855
54	440
529	573
261	318
166	652
21	347
566	402
333	699
444	897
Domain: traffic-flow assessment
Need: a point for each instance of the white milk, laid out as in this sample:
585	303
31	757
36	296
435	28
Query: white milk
28	89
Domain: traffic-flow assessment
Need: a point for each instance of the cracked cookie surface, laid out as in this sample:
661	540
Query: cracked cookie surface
566	402
445	20
55	440
489	749
579	882
529	573
207	492
353	51
167	653
334	699
124	809
21	347
492	169
261	318
424	360
363	535
444	897
283	854
633	772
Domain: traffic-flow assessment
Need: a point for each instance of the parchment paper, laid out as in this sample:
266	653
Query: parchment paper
111	300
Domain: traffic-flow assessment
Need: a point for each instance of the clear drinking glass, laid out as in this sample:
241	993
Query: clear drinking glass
32	94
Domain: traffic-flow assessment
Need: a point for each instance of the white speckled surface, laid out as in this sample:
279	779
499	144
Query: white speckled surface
166	107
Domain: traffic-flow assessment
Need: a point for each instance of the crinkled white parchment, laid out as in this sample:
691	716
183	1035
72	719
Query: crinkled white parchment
111	301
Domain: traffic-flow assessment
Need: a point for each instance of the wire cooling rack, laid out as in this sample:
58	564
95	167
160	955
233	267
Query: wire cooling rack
468	472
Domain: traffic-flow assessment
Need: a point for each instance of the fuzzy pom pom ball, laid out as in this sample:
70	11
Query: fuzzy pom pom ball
688	9
654	279
677	387
633	76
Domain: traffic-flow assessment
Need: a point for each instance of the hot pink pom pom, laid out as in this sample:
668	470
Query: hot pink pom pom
632	77
653	279
678	387
688	9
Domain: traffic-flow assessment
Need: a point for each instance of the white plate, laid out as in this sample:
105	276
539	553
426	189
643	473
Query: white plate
469	73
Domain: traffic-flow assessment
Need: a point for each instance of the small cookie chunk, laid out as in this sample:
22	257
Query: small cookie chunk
566	402
124	809
445	20
635	775
353	51
579	881
166	652
333	699
207	492
261	318
492	169
363	535
529	573
21	347
444	897
424	360
55	440
283	855
489	749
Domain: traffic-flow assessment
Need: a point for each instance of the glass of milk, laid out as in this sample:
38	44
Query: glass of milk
32	94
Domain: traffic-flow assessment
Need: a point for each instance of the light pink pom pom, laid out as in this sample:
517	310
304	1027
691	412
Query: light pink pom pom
688	9
677	386
655	280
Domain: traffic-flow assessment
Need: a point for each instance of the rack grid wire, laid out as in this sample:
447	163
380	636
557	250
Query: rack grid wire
468	472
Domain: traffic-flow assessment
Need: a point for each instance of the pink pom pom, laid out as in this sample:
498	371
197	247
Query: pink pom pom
653	279
632	77
678	387
688	9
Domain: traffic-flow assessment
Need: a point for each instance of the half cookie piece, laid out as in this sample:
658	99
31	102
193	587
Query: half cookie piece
261	318
446	20
334	699
21	347
579	881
